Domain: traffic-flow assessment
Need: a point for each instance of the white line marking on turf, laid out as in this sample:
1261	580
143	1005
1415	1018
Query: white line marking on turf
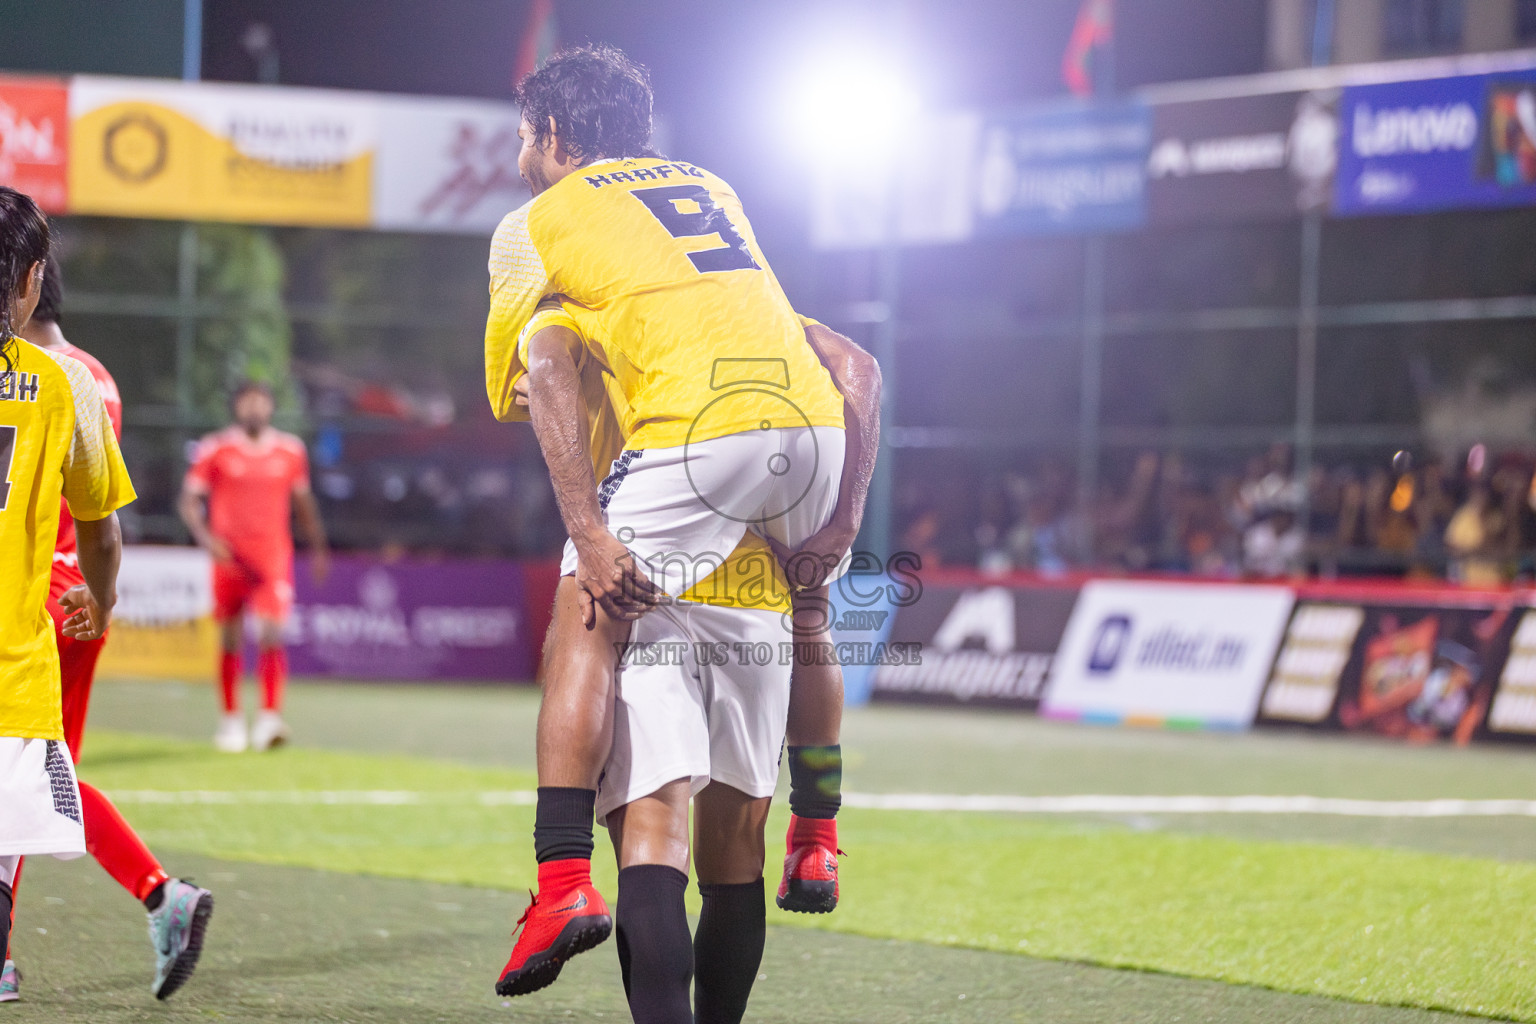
1093	804
933	802
327	797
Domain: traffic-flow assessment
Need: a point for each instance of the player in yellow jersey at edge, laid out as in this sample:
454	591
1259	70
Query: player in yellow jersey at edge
738	421
56	441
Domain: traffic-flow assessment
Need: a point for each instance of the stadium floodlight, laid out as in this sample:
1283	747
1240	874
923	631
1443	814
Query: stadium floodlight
852	107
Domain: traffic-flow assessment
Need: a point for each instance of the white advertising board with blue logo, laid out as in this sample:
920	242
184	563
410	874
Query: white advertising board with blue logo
1183	655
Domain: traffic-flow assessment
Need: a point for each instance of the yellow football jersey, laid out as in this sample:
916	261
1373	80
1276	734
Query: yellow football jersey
55	439
751	577
673	295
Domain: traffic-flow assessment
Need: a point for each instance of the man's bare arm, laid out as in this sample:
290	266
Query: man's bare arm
88	608
857	378
313	528
190	507
606	571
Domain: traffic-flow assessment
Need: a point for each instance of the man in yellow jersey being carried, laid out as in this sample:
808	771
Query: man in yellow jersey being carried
733	420
56	441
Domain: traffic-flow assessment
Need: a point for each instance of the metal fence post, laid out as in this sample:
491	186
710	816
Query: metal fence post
1092	383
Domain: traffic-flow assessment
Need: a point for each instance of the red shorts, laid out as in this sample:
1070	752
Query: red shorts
77	660
243	586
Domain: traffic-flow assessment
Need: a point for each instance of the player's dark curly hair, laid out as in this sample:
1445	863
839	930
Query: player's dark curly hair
599	98
245	387
50	304
23	243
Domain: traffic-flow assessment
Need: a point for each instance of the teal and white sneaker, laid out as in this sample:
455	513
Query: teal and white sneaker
176	931
10	982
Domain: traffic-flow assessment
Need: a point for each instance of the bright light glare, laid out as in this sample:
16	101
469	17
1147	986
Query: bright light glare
846	109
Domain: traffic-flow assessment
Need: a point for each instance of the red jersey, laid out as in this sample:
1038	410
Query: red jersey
65	560
250	485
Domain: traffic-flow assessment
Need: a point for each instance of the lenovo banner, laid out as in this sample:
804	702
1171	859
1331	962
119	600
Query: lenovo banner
1242	158
1438	144
1185	655
987	645
1418	672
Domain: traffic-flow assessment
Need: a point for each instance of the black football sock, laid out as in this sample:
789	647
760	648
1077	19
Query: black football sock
727	950
816	781
5	920
655	949
562	823
155	898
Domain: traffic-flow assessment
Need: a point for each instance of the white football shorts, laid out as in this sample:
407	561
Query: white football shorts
683	510
702	693
39	799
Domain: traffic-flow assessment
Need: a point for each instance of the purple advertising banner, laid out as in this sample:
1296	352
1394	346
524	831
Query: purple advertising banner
1439	144
412	619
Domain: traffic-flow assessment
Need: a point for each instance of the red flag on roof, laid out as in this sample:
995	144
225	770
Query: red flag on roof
540	39
1094	29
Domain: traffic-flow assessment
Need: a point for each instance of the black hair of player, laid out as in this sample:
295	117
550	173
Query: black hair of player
50	305
245	387
24	242
600	101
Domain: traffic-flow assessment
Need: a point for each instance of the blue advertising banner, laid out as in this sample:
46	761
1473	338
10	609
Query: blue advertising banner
1438	144
1063	170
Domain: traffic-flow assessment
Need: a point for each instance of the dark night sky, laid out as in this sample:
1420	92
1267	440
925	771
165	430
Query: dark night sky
712	57
719	66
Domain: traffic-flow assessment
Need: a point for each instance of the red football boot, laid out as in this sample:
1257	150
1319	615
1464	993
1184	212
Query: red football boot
555	928
810	867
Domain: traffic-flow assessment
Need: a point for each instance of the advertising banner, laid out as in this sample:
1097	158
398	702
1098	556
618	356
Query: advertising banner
1415	672
446	165
1184	655
986	645
1069	169
1514	703
1242	158
412	620
162	627
406	620
34	139
150	148
923	198
1438	144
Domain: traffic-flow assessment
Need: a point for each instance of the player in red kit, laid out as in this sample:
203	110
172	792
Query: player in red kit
253	478
178	910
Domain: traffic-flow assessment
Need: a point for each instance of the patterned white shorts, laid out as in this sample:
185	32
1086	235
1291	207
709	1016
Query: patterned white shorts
39	799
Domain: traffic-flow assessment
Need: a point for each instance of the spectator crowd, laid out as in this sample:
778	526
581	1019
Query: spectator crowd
1469	518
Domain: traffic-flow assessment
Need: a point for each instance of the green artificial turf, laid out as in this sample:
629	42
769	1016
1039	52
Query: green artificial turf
293	945
1379	925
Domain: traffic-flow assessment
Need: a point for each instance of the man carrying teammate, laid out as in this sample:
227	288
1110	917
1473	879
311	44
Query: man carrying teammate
732	420
173	905
56	441
253	477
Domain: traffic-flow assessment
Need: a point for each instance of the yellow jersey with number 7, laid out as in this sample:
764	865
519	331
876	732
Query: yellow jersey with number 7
657	263
55	439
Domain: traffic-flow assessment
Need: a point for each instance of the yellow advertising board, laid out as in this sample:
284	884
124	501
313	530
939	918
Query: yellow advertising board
200	151
163	626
